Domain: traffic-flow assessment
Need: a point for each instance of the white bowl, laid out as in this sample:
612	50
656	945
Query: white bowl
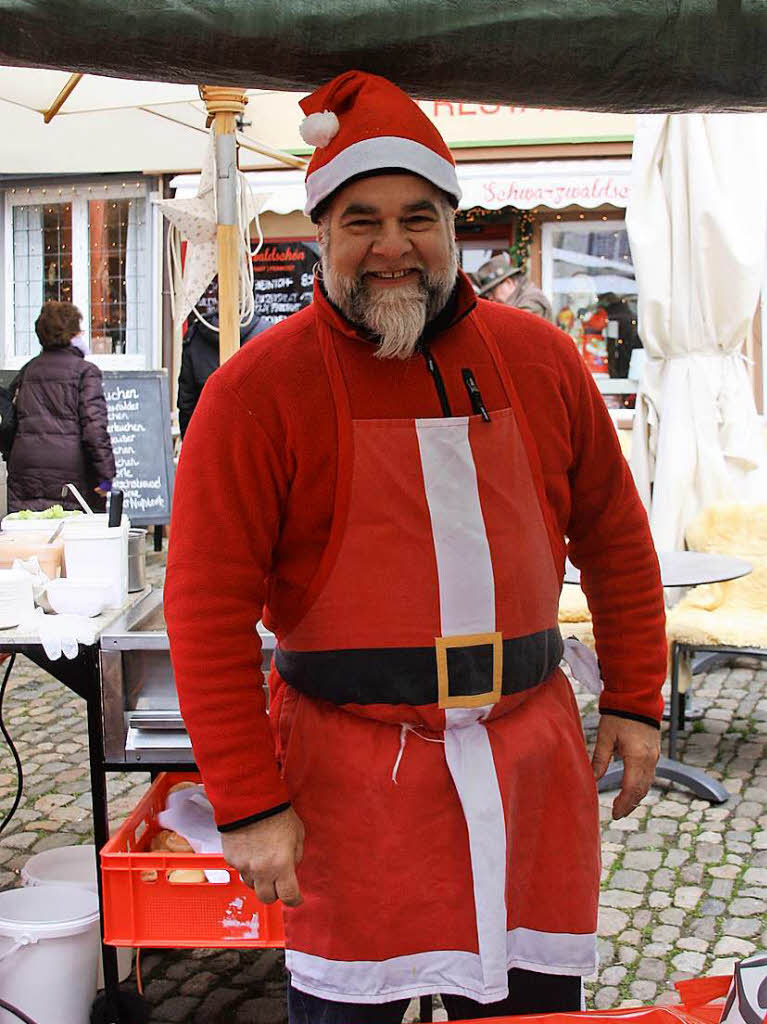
78	597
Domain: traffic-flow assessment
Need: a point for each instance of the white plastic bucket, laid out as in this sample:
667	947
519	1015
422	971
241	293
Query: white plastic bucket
49	946
73	865
94	551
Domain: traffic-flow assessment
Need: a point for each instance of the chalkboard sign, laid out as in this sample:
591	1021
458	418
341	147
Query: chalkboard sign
138	407
283	276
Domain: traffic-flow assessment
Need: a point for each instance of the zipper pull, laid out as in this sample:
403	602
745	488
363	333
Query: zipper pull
475	395
439	384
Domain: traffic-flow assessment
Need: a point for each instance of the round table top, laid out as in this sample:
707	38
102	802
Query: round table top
686	568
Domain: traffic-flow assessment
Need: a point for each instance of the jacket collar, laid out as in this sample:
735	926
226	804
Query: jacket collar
461	302
70	351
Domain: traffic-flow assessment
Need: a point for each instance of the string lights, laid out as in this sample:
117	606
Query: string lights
523	238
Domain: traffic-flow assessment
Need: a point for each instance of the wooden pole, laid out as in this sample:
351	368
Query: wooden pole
58	103
223	105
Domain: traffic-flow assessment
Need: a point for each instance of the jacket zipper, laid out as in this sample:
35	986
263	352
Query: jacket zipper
475	395
438	382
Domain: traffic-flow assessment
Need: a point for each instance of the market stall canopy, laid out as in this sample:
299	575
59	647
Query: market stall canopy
525	185
110	123
585	54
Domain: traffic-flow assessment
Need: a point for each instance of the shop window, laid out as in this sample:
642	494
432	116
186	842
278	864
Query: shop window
588	272
42	266
91	247
117	258
472	257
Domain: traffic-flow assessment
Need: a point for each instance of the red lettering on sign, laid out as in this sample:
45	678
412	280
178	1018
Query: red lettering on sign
464	111
492	108
270	252
442	103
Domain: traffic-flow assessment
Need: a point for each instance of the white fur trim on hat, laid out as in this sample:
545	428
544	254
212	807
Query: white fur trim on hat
318	129
377	154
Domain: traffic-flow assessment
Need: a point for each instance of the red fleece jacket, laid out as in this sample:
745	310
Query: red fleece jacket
253	504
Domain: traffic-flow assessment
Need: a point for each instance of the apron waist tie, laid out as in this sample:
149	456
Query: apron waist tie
404	730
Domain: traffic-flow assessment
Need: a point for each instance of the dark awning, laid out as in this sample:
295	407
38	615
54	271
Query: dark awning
621	55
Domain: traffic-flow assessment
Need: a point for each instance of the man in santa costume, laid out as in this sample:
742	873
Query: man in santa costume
391	478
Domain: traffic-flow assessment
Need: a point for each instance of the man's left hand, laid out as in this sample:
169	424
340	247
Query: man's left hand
638	746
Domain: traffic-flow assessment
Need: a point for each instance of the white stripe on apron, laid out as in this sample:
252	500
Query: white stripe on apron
467	605
453	971
464	568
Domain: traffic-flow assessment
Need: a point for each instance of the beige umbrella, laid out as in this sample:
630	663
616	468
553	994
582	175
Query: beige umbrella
697	222
142	126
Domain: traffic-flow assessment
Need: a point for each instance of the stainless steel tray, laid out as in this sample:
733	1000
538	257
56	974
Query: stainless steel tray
141	715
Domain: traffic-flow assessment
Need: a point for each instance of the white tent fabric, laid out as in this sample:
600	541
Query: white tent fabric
697	224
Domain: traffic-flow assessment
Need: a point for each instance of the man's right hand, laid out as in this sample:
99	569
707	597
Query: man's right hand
266	854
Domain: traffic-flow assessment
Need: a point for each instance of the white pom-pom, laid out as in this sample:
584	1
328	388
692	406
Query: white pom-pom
318	129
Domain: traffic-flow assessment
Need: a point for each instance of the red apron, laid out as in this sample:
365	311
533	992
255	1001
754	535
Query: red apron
429	742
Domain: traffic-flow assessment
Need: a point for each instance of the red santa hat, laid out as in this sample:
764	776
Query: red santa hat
361	124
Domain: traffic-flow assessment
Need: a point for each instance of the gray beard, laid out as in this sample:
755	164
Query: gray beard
396	316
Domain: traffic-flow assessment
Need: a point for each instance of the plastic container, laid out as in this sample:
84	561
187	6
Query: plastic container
75	866
25	544
79	597
49	951
43	526
17	601
143	908
95	551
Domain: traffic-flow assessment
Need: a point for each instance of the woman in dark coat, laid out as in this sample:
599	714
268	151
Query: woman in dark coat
62	420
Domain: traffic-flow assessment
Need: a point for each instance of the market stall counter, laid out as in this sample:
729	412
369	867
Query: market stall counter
126	679
81	675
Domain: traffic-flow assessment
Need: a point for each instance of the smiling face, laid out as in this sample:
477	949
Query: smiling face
388	257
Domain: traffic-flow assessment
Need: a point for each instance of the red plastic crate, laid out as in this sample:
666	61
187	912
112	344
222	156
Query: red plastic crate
140	912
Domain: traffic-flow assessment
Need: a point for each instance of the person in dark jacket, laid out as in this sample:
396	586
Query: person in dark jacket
199	358
62	420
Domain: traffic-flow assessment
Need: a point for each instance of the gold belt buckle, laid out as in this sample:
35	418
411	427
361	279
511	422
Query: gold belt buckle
474	700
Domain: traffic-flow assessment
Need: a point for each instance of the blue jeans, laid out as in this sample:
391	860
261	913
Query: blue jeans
529	992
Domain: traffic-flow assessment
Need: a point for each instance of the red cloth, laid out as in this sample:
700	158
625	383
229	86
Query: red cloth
253	501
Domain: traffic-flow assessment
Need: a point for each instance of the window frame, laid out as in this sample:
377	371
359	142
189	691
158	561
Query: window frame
78	194
577	225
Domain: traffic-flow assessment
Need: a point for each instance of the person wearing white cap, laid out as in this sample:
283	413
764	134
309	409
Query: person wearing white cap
391	479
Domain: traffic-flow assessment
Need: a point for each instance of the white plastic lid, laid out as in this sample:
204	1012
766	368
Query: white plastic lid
65	865
47	911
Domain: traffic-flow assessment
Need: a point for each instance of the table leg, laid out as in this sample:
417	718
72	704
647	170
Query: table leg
100	835
676	659
694	779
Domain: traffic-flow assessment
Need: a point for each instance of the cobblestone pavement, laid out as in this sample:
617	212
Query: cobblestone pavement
684	889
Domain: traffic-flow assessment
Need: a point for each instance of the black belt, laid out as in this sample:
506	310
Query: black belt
411	675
